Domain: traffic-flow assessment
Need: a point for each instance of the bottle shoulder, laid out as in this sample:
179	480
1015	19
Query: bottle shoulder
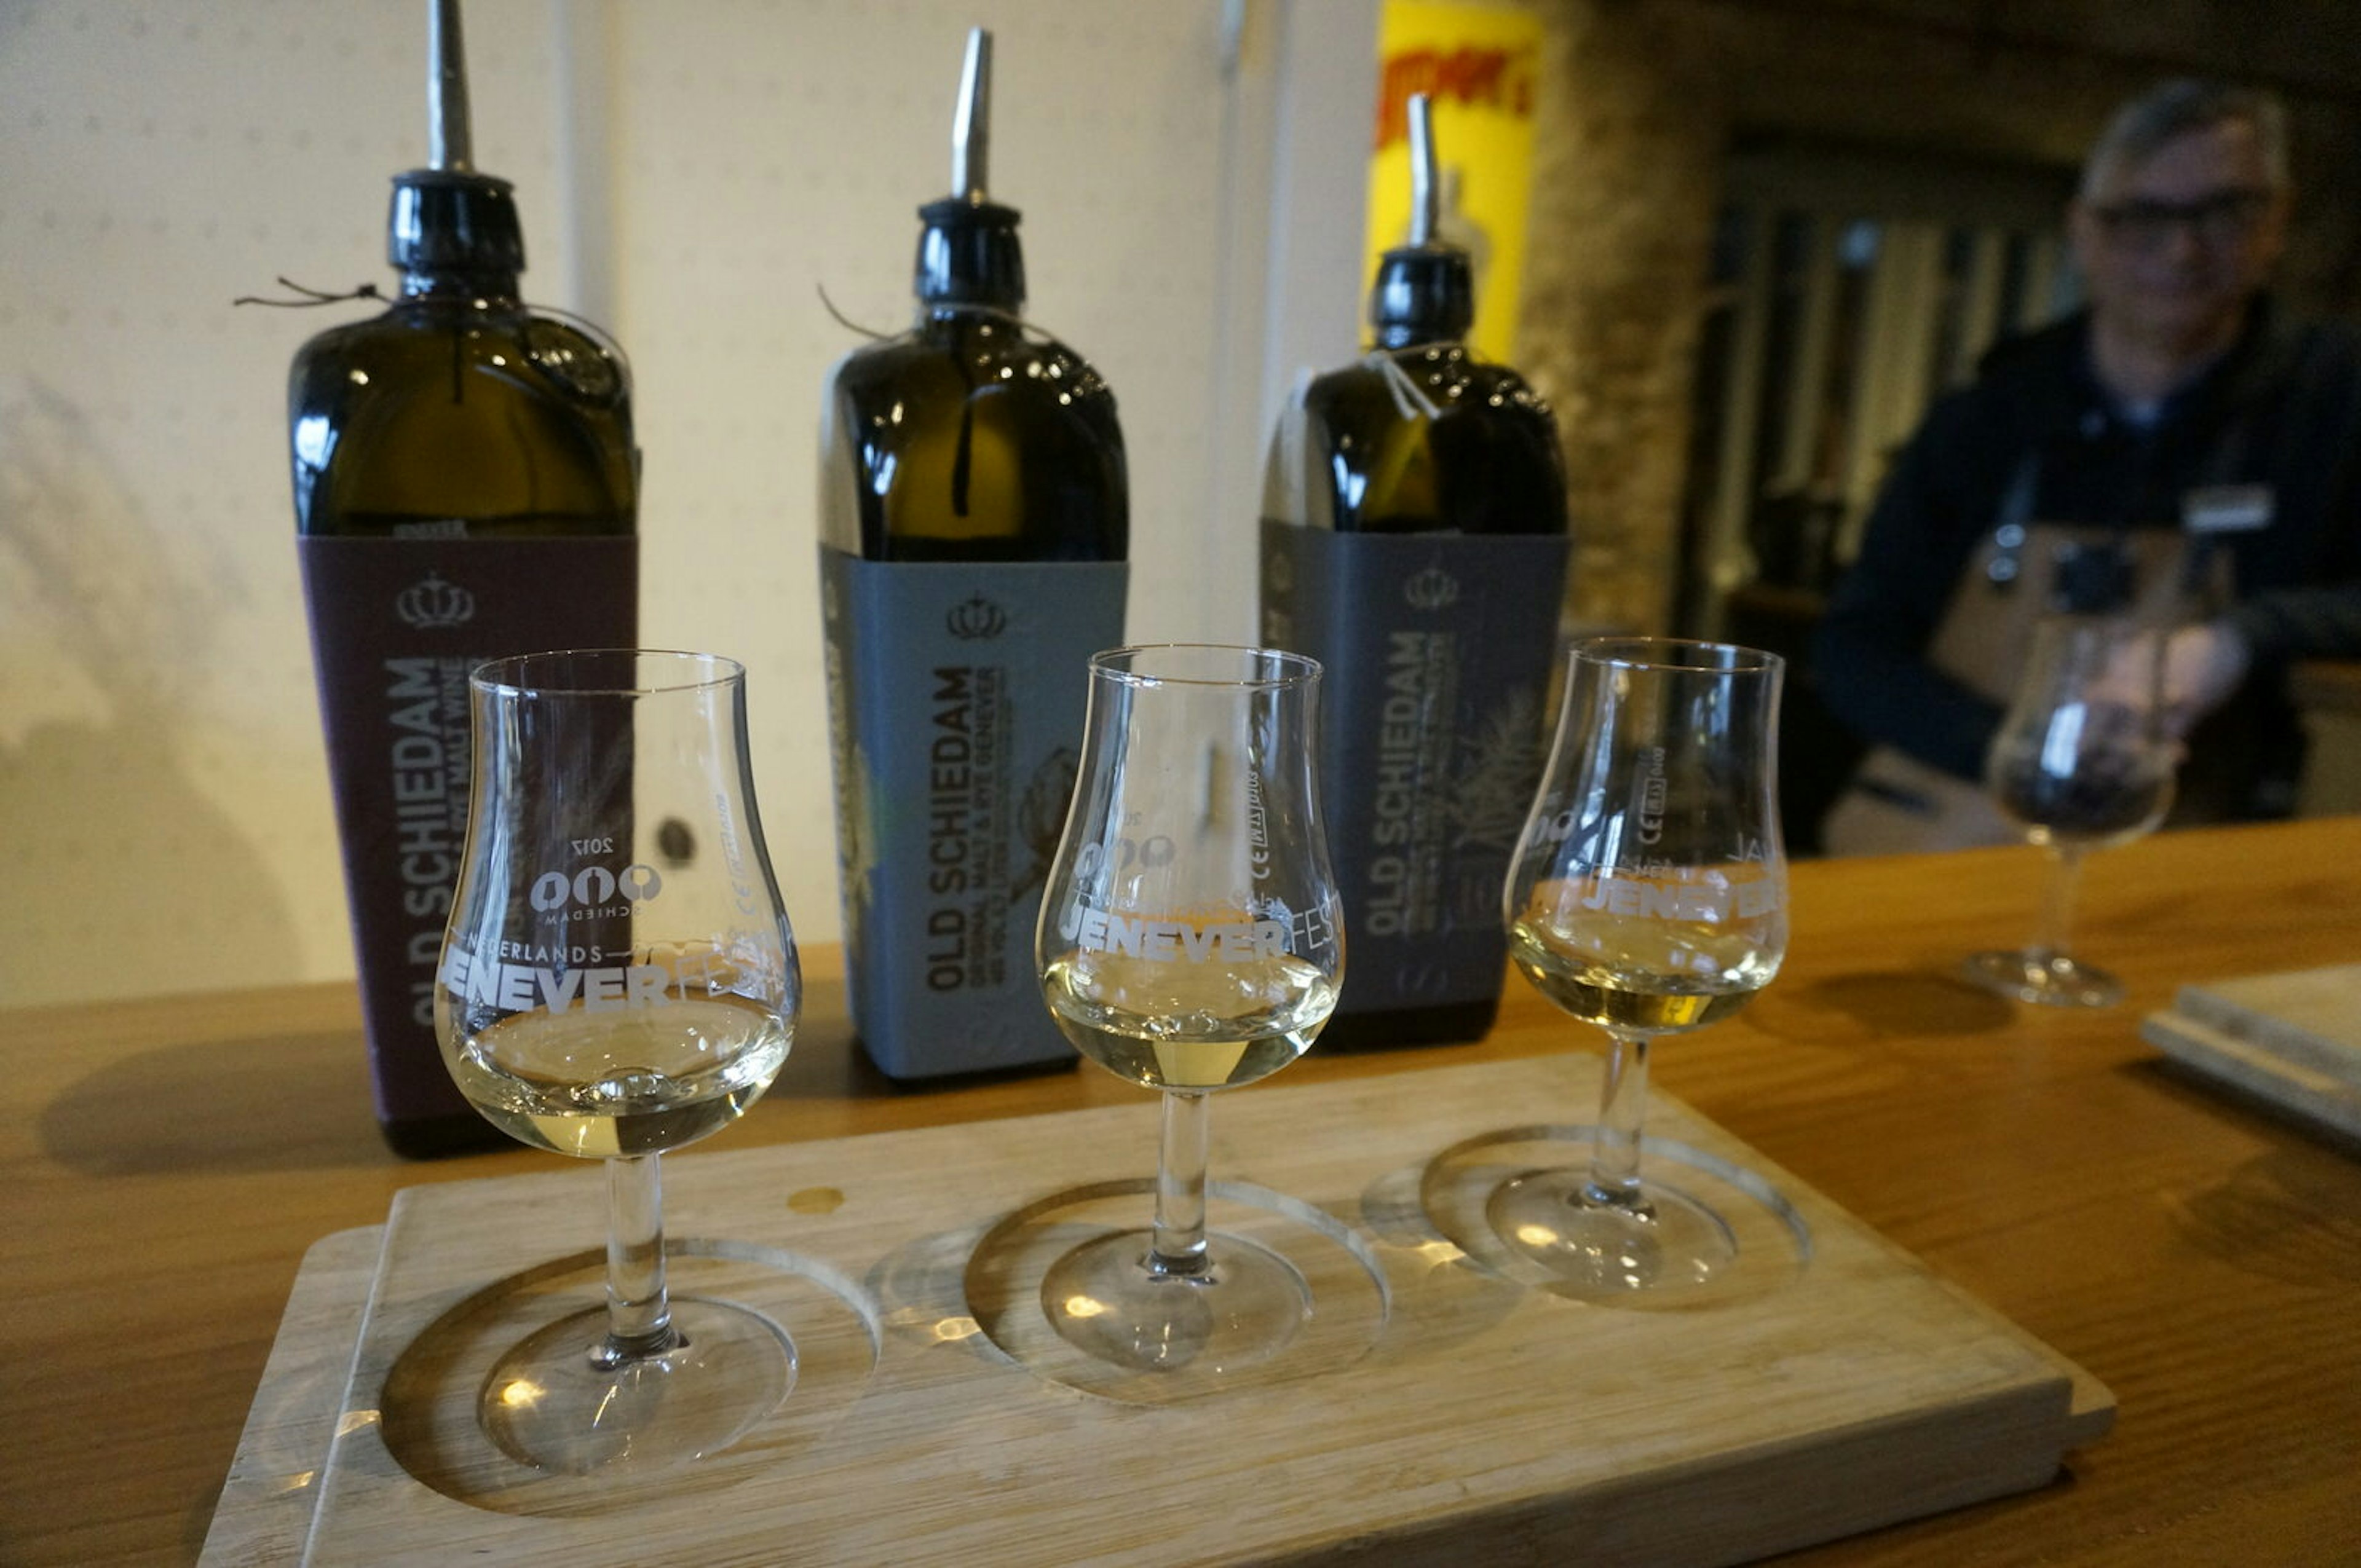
970	439
416	344
955	357
1455	380
1421	440
498	417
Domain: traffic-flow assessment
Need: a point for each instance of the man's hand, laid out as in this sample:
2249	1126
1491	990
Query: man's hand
2203	666
2195	673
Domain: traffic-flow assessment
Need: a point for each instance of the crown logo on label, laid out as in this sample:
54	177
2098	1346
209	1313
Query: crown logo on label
977	620
1434	588
434	604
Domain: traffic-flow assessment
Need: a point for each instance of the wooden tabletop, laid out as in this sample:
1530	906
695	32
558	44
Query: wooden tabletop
2200	1257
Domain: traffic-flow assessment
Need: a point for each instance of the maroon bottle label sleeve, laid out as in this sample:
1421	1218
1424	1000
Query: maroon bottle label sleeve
396	626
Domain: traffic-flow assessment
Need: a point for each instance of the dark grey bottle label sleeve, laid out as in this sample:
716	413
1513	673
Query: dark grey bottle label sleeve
396	626
1438	651
956	693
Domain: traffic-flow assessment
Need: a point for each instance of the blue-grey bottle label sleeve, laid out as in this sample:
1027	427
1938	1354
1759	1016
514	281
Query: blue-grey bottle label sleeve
396	626
1438	651
956	695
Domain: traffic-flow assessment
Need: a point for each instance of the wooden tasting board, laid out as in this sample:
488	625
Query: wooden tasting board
1439	1410
2292	1040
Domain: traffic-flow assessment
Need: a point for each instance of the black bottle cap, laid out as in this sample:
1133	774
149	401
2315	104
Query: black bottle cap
1424	293
1425	290
448	220
969	255
968	252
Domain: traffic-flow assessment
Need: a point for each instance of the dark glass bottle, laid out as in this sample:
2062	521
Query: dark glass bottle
466	487
973	525
1414	542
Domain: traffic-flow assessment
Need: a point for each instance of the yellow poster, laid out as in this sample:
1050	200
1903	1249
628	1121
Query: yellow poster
1477	66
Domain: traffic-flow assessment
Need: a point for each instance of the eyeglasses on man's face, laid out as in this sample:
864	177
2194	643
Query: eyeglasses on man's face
2220	219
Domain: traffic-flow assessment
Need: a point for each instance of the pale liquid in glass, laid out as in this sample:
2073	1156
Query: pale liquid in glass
624	1081
1642	976
1188	1026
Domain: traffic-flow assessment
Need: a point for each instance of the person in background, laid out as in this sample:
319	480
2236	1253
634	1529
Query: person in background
2180	448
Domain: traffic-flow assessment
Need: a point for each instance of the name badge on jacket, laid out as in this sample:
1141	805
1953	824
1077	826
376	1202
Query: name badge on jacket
2226	509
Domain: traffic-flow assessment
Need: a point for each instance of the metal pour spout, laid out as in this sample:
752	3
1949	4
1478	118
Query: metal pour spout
1425	290
971	125
1425	183
450	141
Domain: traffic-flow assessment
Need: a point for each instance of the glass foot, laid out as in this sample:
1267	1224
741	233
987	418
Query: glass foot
1060	1287
549	1403
1661	1242
2050	980
1243	1306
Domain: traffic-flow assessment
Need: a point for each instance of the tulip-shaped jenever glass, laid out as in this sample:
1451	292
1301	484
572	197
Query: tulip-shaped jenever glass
617	980
1189	941
2083	759
1649	896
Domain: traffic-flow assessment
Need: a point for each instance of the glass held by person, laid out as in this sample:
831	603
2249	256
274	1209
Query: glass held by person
601	998
2083	759
1191	941
1648	897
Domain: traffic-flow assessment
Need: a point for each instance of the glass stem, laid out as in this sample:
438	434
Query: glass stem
1623	1106
639	1316
1178	1246
2058	904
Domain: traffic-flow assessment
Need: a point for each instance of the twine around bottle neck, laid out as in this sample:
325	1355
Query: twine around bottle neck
1410	398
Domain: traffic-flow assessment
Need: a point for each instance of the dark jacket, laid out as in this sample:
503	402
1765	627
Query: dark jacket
2282	410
